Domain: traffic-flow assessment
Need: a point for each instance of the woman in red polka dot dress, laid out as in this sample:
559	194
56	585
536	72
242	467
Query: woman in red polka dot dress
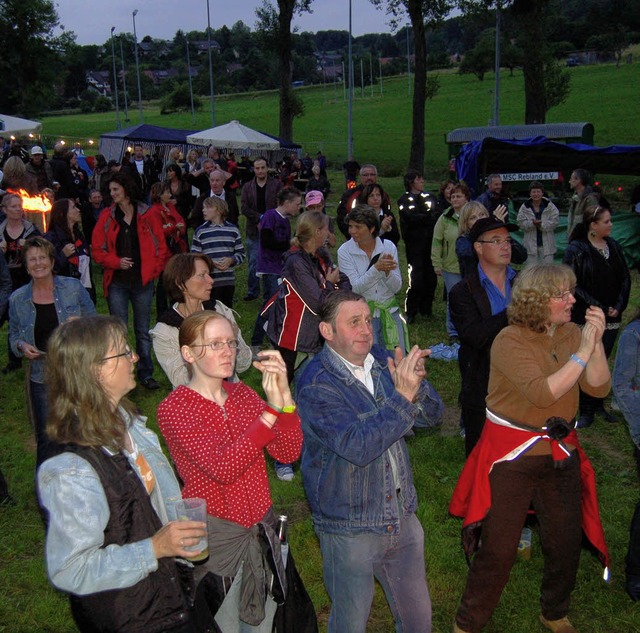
216	432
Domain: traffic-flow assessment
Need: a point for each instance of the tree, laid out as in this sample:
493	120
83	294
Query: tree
275	26
29	58
420	12
480	59
545	83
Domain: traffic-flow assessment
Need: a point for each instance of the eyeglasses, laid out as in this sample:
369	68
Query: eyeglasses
497	241
128	354
216	346
563	296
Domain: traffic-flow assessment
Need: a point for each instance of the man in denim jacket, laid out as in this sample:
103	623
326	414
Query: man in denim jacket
356	404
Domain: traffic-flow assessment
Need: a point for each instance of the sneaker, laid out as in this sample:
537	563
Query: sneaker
558	626
11	367
248	297
150	383
284	472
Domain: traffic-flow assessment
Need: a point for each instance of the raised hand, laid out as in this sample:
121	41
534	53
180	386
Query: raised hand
409	371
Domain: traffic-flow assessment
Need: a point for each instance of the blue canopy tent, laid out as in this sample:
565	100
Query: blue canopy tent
152	138
490	155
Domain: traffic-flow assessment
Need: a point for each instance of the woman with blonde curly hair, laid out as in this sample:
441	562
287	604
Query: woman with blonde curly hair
529	454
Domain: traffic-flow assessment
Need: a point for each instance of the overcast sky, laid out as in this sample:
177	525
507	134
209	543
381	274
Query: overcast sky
91	20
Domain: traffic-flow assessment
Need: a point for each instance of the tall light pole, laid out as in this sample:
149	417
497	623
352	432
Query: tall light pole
213	111
115	78
350	123
124	84
408	62
193	112
135	48
496	96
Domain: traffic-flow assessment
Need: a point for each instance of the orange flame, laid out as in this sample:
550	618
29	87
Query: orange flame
38	203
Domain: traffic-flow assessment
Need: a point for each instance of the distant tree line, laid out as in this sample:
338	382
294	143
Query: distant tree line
40	71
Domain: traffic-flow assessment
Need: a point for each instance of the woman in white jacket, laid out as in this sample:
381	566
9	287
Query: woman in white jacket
371	264
538	218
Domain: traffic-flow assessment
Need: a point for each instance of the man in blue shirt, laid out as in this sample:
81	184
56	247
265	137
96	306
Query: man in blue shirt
478	307
357	403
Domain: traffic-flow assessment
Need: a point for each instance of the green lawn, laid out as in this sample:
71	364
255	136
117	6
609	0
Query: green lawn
28	604
382	124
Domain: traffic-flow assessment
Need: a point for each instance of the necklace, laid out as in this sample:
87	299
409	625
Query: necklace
604	251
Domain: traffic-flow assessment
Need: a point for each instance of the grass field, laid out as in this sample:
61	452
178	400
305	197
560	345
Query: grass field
603	95
27	602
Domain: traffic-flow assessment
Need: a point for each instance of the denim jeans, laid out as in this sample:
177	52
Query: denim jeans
450	280
351	562
37	394
140	298
253	283
270	285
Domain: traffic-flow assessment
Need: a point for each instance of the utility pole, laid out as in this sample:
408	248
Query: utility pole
135	48
115	79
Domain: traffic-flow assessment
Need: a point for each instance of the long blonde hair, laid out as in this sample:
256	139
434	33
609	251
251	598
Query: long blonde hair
80	411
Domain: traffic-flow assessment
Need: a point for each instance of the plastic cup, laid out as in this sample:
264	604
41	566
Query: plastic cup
193	509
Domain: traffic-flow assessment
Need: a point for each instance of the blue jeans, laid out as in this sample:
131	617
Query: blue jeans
140	298
351	562
450	280
37	393
270	285
253	283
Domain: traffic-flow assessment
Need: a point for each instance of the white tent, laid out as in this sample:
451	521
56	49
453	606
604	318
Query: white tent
234	136
13	125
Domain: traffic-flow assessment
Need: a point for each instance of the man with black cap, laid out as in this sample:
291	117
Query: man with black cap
478	307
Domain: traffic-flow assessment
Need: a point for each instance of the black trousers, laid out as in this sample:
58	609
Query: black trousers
554	494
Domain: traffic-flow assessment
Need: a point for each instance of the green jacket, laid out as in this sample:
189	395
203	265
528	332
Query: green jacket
443	245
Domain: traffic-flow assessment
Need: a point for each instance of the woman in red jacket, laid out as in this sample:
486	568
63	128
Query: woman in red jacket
129	243
217	432
174	228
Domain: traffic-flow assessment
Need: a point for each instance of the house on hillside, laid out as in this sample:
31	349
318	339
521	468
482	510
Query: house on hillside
202	46
98	81
154	48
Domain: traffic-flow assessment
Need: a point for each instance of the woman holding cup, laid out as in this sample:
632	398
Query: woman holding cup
109	542
216	432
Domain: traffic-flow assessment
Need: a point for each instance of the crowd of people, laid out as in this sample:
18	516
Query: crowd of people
338	371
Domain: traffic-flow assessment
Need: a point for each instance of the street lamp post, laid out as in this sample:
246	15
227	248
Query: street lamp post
350	120
124	85
496	95
115	78
135	48
408	63
193	112
213	112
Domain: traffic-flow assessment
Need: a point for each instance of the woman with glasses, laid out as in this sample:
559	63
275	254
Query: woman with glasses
188	281
217	432
35	311
109	543
529	454
603	281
